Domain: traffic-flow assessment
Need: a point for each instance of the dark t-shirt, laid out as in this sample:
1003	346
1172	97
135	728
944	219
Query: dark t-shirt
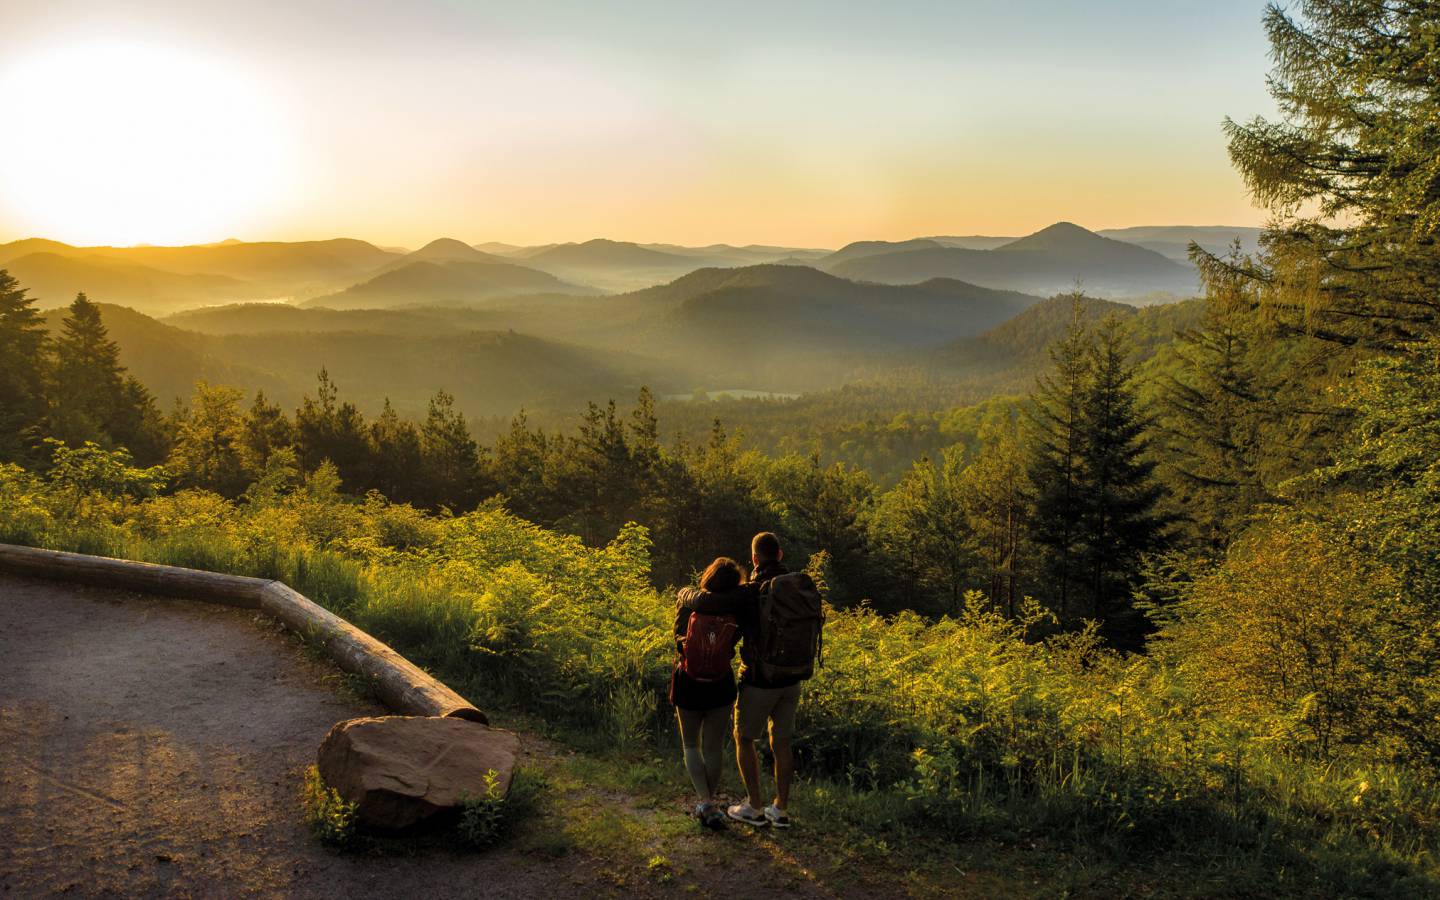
743	603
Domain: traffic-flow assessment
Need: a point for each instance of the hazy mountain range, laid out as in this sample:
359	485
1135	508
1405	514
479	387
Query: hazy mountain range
549	327
1049	261
1124	263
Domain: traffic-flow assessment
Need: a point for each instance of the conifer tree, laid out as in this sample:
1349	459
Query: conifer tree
22	371
901	514
329	429
450	455
996	497
1056	417
266	430
94	398
1118	492
521	469
1351	170
597	477
1215	408
399	460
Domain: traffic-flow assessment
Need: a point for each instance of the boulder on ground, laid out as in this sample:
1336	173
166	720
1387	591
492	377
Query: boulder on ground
402	770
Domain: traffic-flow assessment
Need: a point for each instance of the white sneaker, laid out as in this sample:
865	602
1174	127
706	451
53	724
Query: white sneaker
744	812
776	816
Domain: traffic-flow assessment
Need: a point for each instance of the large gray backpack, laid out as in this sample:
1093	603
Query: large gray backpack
792	615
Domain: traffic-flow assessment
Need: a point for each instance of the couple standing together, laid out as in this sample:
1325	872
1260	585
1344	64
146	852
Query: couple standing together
776	617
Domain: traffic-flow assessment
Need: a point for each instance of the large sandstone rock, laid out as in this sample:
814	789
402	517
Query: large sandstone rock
401	770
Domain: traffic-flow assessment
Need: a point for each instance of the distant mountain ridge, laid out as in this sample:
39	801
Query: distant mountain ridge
54	279
1174	241
429	283
161	279
1049	261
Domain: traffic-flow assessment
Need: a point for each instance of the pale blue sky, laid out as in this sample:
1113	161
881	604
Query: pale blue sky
804	123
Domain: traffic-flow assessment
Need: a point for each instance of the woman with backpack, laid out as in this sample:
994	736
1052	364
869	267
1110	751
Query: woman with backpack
702	687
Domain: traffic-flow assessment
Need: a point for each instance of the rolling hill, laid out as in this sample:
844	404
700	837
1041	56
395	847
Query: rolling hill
748	255
970	241
859	249
613	265
606	254
1007	358
803	306
145	276
1050	261
268	262
790	328
440	250
451	250
491	373
432	283
267	318
54	279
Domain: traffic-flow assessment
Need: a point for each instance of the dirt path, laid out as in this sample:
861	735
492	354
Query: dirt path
155	747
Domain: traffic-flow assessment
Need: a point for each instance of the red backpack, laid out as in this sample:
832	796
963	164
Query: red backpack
708	646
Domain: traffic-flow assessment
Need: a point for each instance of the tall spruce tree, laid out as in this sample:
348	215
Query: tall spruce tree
399	461
1118	491
996	500
1351	172
451	456
329	429
1215	408
1056	420
267	430
93	397
23	362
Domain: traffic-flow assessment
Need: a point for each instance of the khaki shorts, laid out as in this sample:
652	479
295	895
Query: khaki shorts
755	706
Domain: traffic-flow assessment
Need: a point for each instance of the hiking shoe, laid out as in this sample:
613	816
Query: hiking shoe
703	812
776	816
744	812
714	818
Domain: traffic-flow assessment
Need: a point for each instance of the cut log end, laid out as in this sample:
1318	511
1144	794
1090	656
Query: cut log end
469	714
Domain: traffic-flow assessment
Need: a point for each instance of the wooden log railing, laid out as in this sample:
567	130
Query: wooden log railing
401	685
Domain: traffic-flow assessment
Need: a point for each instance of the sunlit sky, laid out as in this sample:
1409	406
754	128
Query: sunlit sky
800	123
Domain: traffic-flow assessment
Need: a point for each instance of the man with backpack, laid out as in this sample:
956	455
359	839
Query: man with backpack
780	616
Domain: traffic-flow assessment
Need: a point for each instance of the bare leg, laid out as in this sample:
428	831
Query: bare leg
712	744
784	770
749	762
690	721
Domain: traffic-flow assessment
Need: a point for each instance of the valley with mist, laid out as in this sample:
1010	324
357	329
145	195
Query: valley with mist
512	327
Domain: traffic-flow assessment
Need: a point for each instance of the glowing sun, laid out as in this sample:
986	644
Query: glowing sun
125	143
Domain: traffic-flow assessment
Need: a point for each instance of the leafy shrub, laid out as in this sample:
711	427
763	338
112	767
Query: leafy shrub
487	819
962	725
330	817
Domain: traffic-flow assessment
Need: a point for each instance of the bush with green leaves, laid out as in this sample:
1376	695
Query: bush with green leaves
330	817
961	725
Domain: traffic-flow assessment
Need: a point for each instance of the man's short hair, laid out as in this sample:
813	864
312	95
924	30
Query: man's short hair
765	547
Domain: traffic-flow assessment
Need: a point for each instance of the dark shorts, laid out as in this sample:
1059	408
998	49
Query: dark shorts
687	693
756	707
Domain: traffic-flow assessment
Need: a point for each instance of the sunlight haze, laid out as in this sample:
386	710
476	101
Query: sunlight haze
805	124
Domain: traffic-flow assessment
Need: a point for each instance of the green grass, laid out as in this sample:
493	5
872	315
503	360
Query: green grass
932	753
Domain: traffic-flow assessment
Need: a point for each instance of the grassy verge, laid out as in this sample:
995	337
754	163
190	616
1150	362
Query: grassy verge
928	748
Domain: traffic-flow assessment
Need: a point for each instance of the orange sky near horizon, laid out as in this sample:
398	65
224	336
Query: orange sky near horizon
176	122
